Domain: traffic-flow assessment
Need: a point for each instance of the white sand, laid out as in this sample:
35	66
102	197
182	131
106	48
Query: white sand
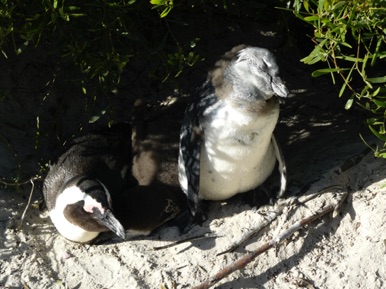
345	252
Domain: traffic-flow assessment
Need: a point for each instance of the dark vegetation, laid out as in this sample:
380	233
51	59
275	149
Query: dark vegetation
106	54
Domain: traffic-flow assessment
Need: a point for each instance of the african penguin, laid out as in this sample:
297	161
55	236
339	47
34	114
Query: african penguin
227	145
79	188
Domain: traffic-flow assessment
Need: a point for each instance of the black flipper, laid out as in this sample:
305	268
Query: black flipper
190	150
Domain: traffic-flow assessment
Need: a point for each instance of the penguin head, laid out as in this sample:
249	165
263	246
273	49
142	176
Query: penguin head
84	209
255	73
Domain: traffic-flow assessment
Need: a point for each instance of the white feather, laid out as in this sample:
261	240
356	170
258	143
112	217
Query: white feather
68	230
237	154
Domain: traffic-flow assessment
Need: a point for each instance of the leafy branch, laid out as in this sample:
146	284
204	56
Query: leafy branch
350	37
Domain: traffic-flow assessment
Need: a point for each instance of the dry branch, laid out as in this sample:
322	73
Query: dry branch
246	259
28	203
32	181
194	238
16	183
273	214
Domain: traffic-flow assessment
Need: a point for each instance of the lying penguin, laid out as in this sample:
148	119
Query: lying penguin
95	187
78	188
227	145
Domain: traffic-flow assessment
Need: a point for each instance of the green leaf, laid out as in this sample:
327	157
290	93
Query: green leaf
306	5
338	5
311	18
375	93
345	44
349	58
377	134
316	54
379	103
381	155
373	121
377	79
323	71
166	11
349	103
321	5
95	118
347	80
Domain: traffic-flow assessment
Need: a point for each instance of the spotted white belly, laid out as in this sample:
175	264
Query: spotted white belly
237	155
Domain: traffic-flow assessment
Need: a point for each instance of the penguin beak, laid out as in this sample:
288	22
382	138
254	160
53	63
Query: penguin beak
108	220
279	87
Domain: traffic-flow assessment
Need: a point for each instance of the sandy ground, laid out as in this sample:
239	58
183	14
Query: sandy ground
317	136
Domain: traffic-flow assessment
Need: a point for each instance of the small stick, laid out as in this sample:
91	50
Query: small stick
247	258
204	236
31	180
29	200
304	199
272	215
7	183
348	164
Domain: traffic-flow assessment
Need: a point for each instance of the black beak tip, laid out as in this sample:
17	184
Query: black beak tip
120	232
111	222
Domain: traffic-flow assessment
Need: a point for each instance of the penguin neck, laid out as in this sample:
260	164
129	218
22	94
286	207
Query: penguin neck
254	108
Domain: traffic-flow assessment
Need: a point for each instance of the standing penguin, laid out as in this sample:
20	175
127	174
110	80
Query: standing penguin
227	144
78	189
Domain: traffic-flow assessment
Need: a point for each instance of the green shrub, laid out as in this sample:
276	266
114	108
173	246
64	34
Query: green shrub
350	38
96	38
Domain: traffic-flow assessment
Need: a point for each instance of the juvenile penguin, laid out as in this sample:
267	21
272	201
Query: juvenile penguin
78	189
227	145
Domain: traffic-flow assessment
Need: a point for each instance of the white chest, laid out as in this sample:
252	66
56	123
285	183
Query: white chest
237	154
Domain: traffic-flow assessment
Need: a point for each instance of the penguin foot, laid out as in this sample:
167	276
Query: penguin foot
258	197
186	221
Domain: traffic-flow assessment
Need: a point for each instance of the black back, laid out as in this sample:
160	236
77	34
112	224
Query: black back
101	155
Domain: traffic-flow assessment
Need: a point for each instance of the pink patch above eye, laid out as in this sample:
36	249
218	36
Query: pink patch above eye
90	204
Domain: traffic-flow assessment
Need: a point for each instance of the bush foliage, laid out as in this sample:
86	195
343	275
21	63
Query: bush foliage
350	39
97	39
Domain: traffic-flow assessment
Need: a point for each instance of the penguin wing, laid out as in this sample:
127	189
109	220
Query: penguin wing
282	166
190	149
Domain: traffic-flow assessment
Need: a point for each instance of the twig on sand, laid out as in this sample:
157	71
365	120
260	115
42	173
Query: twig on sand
28	203
14	184
268	218
247	258
273	214
194	238
32	181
